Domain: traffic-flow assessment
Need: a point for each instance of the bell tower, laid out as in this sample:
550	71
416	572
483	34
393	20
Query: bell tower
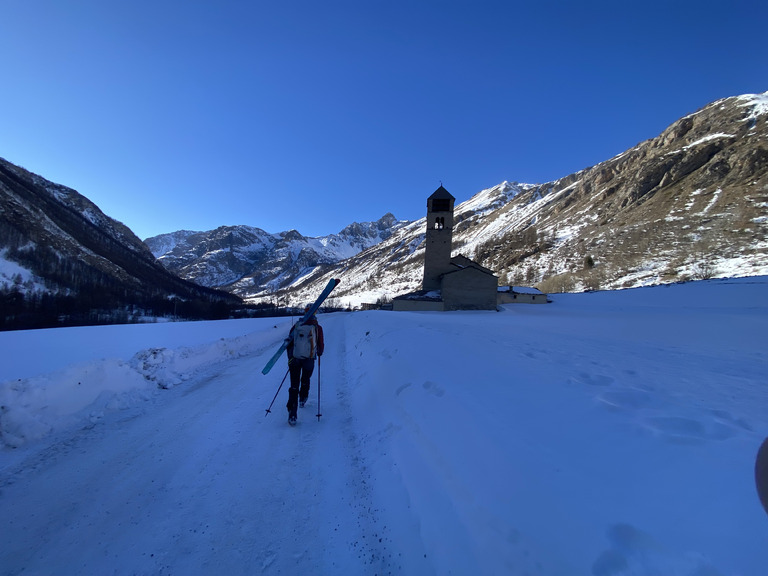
437	258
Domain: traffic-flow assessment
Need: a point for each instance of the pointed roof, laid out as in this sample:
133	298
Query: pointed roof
461	262
441	193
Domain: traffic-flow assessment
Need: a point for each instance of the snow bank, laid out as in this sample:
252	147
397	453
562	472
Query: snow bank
104	368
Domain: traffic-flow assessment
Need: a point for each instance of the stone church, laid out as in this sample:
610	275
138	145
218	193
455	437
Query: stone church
450	283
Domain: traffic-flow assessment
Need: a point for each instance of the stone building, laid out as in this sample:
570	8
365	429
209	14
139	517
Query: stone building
521	294
449	283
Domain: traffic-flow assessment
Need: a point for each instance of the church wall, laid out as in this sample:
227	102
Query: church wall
469	289
405	305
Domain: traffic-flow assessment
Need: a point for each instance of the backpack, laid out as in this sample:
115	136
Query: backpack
304	341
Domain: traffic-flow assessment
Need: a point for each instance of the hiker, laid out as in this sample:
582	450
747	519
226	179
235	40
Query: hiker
305	344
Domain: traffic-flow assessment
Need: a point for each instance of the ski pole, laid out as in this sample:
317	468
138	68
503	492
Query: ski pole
318	389
278	392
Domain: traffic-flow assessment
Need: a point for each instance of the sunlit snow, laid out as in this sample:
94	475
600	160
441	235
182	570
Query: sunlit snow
608	433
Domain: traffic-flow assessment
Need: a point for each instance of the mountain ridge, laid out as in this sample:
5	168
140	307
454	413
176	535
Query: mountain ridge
689	203
71	263
241	254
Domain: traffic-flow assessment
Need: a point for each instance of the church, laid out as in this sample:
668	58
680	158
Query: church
450	283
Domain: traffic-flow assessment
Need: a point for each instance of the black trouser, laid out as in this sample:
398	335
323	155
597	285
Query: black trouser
301	371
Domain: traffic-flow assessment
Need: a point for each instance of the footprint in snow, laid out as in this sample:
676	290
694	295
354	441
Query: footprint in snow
433	388
728	418
592	379
401	388
628	399
633	551
682	430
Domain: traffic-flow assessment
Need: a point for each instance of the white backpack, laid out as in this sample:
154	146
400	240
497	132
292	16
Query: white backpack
304	341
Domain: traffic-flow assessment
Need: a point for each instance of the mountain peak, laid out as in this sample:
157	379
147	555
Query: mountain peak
245	259
688	203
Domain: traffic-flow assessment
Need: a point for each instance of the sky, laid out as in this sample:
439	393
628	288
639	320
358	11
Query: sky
308	115
617	437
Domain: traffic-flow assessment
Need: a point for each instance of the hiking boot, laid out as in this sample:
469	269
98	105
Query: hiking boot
292	419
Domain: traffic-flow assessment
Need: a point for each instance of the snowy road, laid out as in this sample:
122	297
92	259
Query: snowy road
201	481
606	434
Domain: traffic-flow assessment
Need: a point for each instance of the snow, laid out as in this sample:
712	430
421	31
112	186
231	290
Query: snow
712	202
492	198
12	273
10	270
607	433
758	102
707	138
521	290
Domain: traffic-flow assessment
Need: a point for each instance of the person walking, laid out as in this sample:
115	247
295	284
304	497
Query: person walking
306	343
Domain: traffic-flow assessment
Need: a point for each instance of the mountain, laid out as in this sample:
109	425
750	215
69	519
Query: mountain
691	203
61	258
241	257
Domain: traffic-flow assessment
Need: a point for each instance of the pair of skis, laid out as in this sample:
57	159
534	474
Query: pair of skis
307	315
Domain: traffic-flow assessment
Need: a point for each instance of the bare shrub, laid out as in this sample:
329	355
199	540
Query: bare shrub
557	284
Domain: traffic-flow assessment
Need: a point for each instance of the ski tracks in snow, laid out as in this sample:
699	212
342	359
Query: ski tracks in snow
365	539
198	480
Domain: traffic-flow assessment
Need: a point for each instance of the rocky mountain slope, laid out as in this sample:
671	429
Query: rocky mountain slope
62	256
233	257
690	203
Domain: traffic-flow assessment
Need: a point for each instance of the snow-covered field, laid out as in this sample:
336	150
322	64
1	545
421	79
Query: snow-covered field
609	433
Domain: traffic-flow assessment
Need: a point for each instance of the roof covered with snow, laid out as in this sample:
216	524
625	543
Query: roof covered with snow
521	290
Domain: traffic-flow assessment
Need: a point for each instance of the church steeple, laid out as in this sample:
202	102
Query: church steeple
437	257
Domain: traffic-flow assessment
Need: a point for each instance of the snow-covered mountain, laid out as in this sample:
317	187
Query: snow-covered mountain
239	257
690	203
62	259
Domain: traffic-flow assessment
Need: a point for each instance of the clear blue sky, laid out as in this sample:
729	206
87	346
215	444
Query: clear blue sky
191	114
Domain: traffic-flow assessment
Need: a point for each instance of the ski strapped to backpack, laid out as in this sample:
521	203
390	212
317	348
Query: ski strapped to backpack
307	315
